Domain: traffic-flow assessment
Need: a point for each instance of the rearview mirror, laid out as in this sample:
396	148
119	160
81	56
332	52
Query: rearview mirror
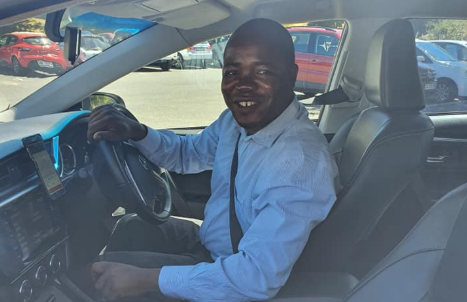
72	43
421	59
101	98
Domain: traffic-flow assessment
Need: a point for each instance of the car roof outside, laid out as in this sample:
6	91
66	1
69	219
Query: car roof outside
27	34
327	30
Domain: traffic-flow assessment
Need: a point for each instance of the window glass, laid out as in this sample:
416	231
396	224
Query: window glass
11	40
463	53
326	45
451	49
38	41
301	41
36	60
443	71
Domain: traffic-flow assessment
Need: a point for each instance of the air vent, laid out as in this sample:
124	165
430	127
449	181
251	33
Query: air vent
17	168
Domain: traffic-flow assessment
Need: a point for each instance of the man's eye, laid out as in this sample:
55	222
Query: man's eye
263	71
229	72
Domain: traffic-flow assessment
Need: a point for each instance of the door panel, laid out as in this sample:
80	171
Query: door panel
446	166
190	193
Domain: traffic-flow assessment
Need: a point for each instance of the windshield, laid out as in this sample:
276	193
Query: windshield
434	51
29	60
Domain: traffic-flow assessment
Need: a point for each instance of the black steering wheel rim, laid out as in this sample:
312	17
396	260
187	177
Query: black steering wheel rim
128	179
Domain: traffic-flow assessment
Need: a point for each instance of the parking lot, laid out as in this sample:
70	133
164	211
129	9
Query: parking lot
178	98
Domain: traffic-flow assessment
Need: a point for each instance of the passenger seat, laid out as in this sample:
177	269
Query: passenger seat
382	149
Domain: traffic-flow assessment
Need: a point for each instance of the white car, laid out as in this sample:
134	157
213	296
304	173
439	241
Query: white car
452	74
198	54
457	49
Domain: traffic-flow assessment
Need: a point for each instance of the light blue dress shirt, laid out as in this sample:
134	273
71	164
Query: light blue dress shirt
284	187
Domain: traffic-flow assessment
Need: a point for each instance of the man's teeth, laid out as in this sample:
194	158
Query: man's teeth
246	104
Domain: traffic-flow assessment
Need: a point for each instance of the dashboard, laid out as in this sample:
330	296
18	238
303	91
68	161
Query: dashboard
33	235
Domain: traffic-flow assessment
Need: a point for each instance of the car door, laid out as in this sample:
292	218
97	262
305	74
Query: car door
5	50
303	58
446	166
322	49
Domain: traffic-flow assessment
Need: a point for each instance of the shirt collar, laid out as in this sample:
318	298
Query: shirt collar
271	132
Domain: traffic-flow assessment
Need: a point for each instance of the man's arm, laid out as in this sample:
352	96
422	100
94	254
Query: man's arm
182	154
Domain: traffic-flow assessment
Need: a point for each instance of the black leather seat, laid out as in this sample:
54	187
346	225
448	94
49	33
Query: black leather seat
411	272
380	151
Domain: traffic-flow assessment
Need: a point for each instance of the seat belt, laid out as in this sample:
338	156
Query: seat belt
450	282
236	232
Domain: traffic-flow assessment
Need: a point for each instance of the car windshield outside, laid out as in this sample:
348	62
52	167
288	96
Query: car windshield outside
436	52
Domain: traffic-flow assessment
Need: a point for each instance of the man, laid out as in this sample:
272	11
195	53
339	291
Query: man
284	185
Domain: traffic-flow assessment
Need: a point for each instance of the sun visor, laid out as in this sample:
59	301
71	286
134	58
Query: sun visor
189	17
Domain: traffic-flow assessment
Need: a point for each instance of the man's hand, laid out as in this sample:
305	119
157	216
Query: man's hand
116	280
108	123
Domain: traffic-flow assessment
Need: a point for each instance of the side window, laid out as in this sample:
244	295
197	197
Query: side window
452	49
326	45
3	40
463	53
443	76
12	40
425	58
300	41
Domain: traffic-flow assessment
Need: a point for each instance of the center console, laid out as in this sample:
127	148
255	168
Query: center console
33	243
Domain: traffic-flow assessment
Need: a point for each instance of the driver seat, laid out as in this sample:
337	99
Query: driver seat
383	149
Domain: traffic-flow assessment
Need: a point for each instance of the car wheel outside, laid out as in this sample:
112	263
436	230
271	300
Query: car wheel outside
446	91
181	62
216	60
17	68
165	66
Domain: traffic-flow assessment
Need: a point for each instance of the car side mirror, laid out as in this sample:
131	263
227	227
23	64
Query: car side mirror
99	99
421	59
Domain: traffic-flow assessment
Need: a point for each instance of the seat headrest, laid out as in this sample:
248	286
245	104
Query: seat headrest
391	80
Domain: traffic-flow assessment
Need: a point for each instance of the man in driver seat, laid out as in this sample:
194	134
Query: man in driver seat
283	188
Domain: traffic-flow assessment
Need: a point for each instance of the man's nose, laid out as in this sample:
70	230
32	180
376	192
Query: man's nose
246	82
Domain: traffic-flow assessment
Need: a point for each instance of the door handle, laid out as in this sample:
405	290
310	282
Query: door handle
314	61
436	159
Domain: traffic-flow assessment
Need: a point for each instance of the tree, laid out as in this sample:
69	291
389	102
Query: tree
446	30
28	25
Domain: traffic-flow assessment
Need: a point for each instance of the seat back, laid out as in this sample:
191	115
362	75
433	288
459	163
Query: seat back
410	272
381	150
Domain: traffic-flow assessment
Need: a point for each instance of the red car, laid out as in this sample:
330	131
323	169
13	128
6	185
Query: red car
23	51
315	48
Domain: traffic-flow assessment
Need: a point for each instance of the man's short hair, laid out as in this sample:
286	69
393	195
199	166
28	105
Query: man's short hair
267	32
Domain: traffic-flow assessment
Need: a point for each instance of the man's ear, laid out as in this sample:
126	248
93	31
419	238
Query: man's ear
293	73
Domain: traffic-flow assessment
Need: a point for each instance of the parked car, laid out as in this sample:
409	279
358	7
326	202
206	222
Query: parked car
107	36
457	49
198	54
23	51
218	47
429	82
315	48
123	33
91	45
452	74
166	62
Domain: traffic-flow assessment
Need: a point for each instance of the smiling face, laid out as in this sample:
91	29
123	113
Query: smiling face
258	80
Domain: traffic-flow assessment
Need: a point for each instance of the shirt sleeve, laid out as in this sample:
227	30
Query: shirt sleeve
182	154
287	212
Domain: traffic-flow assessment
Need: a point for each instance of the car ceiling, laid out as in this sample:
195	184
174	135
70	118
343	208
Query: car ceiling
183	13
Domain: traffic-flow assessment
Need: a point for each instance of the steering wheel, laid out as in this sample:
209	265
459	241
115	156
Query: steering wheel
129	179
